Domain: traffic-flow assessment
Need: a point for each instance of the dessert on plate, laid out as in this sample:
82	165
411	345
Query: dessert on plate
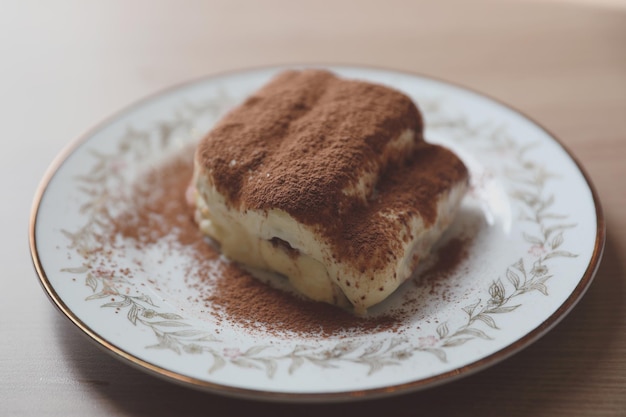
328	182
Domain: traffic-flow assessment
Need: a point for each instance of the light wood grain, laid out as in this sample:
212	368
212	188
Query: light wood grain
64	65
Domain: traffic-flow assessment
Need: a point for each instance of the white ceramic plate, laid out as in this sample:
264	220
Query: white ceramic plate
534	220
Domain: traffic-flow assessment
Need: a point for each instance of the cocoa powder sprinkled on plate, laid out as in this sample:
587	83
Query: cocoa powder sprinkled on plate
447	262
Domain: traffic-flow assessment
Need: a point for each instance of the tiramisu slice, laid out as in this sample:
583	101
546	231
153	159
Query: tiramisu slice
328	182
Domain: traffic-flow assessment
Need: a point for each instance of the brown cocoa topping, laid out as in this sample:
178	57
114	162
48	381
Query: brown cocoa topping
299	142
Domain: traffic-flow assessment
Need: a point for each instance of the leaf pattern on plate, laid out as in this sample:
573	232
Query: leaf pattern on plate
545	233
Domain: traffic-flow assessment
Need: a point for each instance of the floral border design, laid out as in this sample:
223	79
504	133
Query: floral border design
527	274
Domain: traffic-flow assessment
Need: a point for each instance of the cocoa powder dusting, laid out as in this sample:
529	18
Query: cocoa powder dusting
158	212
448	259
302	140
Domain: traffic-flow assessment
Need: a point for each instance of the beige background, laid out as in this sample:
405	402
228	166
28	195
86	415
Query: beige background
65	65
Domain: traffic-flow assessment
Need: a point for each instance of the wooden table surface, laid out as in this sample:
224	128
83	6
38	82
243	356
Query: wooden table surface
65	65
